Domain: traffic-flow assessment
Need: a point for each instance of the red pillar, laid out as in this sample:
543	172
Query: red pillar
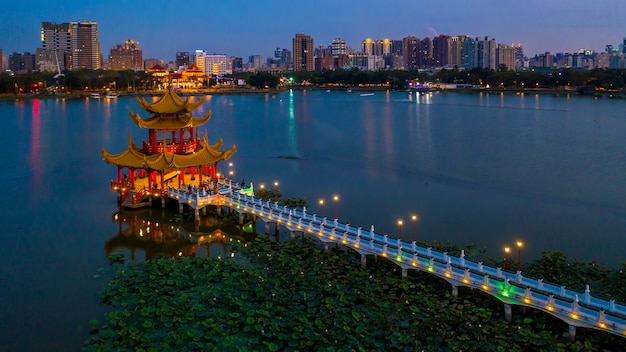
193	172
150	182
131	175
119	173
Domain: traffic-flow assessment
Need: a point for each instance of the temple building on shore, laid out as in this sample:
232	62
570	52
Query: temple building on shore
171	159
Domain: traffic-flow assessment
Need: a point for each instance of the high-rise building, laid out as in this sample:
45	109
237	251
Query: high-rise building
236	63
199	58
519	55
303	57
411	50
367	46
126	56
255	62
283	56
56	44
22	63
505	56
469	53
442	51
456	50
85	45
425	59
486	53
182	59
338	47
216	65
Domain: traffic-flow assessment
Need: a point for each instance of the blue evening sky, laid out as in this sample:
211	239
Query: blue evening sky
243	28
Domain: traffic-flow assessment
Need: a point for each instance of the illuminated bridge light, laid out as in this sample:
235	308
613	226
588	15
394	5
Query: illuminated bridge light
574	316
399	258
431	269
485	287
448	274
356	245
602	325
526	300
310	230
384	254
466	281
332	237
344	241
505	293
414	264
550	308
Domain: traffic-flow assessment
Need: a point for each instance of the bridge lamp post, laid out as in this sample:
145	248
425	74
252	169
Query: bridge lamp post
321	208
276	191
400	226
336	199
262	186
506	270
519	256
414	218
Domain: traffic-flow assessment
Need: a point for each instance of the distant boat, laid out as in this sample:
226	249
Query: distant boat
111	96
366	94
95	96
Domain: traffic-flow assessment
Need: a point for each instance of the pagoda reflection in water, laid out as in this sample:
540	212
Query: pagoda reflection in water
148	233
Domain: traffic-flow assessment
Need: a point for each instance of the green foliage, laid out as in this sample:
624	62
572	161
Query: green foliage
294	297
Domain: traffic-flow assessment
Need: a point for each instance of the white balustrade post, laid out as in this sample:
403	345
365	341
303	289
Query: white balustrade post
562	291
462	258
518	277
540	284
499	273
480	267
335	222
445	256
429	252
587	294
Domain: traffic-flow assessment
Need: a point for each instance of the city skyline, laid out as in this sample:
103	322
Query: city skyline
250	28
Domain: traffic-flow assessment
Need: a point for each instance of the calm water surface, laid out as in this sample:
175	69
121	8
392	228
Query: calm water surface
486	169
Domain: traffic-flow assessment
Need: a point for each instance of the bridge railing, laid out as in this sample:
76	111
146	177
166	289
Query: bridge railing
517	288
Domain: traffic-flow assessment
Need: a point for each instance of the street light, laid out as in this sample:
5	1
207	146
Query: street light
336	199
519	256
321	208
414	218
400	226
507	249
262	186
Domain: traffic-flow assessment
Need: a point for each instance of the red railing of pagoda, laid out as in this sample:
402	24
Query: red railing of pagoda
174	148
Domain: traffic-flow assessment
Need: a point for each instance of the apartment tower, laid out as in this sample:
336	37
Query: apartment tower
303	57
85	45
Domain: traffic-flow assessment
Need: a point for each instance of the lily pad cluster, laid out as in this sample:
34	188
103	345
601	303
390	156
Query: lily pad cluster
296	297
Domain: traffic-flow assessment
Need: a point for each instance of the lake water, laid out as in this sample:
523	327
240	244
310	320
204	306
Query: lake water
486	169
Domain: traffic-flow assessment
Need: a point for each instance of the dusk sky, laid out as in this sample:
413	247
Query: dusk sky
243	28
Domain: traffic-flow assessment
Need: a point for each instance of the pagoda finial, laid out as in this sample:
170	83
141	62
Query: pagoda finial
130	140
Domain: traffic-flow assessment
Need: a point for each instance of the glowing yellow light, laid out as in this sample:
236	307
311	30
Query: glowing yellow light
526	300
574	316
344	241
414	263
384	254
356	245
448	274
520	244
485	287
602	325
550	308
466	281
507	249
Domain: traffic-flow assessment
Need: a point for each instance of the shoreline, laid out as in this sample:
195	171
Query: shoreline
236	91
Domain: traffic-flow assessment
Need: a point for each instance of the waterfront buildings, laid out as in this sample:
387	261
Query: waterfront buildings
126	56
303	58
85	45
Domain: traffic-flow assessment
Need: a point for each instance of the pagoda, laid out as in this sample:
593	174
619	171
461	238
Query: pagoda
172	158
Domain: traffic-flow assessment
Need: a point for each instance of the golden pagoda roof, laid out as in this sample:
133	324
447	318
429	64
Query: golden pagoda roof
134	157
169	122
170	103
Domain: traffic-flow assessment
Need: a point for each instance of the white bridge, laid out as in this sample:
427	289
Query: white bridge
578	309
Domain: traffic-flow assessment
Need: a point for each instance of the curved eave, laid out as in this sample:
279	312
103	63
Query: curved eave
169	103
135	159
170	123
